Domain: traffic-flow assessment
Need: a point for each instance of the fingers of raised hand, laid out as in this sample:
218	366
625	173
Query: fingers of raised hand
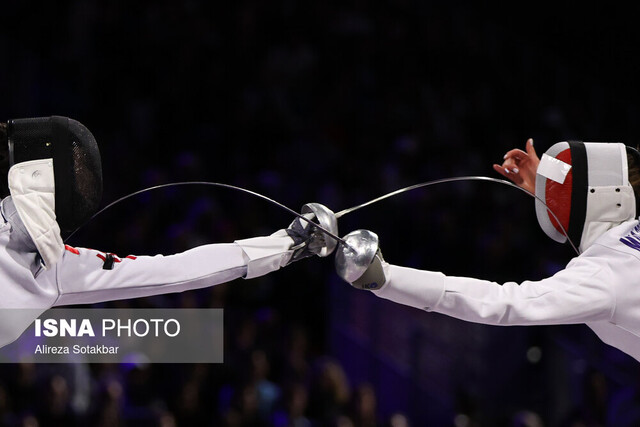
517	155
530	150
508	173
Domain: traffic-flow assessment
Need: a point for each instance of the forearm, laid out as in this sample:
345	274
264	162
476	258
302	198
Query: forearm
82	279
416	288
564	298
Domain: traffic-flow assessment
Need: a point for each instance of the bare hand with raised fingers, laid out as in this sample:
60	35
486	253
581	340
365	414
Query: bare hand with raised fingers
520	166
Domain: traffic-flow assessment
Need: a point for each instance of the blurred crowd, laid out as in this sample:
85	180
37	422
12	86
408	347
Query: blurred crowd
334	102
272	376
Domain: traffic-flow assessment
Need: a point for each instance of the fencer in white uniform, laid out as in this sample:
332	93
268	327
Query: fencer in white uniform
587	185
55	182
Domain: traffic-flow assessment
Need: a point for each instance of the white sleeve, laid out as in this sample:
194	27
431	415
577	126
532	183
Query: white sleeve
82	279
580	293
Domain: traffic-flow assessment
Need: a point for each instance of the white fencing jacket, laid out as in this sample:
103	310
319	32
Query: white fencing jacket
600	288
27	289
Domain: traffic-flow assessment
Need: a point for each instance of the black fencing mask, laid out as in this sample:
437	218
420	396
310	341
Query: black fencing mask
76	163
55	178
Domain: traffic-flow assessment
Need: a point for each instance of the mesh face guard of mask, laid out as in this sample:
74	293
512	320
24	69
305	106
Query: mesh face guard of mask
76	163
587	186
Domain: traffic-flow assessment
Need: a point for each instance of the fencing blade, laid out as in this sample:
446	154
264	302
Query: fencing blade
455	179
216	184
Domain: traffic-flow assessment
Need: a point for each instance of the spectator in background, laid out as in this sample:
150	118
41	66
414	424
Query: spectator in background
329	393
293	408
364	407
